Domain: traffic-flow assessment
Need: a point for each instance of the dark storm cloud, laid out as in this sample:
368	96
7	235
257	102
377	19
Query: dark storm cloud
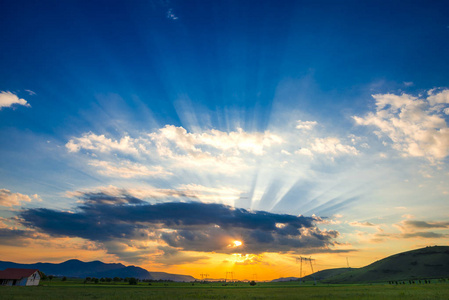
14	237
102	198
89	225
192	226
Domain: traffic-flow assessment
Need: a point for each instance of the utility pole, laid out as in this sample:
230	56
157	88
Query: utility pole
347	261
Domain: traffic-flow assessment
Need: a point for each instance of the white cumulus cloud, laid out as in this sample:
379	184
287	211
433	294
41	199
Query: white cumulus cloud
8	99
233	141
415	125
100	143
172	148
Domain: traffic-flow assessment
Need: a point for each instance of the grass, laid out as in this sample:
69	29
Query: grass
75	289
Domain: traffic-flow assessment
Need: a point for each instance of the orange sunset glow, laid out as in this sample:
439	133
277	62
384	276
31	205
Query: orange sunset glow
251	140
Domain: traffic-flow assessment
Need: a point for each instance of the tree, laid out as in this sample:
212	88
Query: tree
51	277
64	278
132	281
252	283
43	276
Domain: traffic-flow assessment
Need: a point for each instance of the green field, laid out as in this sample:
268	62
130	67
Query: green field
287	290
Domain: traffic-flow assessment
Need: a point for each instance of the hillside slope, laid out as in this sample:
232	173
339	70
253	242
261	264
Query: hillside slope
326	274
320	275
424	263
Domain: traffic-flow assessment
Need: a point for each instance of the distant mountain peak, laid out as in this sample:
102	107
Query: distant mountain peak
80	269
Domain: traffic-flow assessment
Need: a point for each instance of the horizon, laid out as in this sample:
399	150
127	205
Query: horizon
213	279
235	136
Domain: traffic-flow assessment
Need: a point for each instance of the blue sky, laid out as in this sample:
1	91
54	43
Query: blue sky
336	109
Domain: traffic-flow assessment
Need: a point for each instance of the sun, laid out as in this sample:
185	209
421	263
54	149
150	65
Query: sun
237	243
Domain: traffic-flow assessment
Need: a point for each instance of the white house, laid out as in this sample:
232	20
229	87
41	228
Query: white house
12	276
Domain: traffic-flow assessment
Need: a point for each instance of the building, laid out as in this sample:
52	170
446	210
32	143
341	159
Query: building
22	277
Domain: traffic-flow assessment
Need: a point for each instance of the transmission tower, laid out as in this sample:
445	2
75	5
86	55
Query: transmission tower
305	259
204	276
231	274
347	261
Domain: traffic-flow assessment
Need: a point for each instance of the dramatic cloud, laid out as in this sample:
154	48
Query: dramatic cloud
219	194
191	226
192	143
233	141
8	99
173	148
7	198
15	237
415	125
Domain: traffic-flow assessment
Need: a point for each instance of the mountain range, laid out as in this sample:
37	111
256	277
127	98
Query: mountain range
78	269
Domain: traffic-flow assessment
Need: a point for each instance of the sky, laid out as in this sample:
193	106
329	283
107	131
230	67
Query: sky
205	137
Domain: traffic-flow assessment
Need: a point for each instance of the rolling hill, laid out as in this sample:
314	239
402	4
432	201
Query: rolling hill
77	268
424	263
319	276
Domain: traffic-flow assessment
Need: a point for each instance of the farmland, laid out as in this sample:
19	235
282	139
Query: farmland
75	289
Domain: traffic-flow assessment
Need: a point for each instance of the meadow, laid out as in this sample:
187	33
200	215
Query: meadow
75	289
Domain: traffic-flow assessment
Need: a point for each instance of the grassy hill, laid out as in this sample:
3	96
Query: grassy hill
424	263
319	276
326	274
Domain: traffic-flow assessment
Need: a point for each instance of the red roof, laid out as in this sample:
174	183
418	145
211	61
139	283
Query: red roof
12	273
